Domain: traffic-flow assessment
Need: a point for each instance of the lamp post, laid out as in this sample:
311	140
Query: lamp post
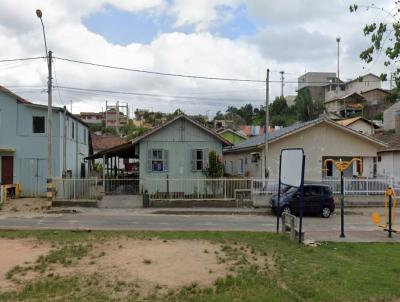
49	109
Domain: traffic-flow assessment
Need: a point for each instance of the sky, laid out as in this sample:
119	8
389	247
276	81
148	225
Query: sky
211	38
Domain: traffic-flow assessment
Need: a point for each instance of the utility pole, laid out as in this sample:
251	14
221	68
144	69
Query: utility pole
282	82
49	57
266	128
49	116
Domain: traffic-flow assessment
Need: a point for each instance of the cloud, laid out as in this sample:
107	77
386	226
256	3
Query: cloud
291	35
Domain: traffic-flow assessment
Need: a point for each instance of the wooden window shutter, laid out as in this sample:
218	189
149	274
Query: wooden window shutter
194	160
165	159
149	160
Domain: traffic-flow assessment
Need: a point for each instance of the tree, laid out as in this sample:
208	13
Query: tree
279	106
215	168
384	38
219	116
307	110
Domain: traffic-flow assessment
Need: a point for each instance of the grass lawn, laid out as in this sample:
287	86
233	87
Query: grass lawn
329	272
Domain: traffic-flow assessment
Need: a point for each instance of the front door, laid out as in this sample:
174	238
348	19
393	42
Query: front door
7	170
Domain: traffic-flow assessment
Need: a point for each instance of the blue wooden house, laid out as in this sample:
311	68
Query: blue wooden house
23	144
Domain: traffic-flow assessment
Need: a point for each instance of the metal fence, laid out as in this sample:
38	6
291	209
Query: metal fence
122	186
368	186
75	189
202	188
198	189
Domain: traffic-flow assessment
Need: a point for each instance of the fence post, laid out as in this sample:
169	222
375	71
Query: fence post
344	185
73	187
367	181
251	187
225	188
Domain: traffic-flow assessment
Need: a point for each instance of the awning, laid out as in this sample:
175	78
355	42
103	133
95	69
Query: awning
7	150
126	150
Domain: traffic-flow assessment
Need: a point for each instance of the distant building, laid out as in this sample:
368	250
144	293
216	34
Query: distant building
232	136
92	117
360	124
389	116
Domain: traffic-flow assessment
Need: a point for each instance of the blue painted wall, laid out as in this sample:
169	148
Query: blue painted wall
30	156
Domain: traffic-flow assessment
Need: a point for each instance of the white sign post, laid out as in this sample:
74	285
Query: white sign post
291	173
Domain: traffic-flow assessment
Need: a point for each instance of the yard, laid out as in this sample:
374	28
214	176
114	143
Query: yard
191	266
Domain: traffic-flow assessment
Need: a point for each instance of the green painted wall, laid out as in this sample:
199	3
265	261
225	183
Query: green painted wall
232	137
179	138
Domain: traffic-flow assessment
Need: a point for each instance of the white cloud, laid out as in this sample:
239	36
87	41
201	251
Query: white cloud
297	36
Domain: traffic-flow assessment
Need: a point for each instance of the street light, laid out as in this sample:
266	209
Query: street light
49	110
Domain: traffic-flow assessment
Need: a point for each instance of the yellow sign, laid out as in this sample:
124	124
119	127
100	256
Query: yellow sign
343	165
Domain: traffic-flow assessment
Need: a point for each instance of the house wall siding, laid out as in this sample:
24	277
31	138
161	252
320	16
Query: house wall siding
318	141
179	138
30	156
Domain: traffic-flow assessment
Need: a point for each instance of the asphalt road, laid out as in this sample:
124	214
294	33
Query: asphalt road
358	227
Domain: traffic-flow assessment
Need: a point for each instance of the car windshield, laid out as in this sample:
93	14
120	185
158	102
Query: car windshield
289	190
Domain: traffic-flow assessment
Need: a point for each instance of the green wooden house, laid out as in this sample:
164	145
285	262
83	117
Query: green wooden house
232	136
172	157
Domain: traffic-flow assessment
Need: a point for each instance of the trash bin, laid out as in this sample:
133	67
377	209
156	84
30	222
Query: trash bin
146	199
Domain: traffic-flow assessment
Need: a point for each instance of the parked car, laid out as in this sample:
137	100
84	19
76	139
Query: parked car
318	200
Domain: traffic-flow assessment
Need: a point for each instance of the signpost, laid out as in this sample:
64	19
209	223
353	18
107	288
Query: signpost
341	166
291	173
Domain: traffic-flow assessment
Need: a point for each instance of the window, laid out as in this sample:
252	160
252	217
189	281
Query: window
329	168
199	159
315	191
157	160
38	124
379	158
73	130
240	166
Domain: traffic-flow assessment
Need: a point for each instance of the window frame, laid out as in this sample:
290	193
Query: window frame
42	120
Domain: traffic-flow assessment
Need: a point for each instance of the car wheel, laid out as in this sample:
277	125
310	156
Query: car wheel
286	209
326	212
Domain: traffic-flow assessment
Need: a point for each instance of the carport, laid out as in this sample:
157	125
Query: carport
120	169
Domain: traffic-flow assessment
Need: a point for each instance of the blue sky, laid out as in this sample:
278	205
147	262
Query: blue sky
124	27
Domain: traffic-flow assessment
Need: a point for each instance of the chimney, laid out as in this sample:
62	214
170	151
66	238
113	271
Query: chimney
397	123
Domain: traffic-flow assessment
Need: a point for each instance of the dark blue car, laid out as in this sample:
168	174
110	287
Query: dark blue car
318	200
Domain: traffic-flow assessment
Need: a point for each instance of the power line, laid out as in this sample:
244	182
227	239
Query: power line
162	73
21	59
79	89
194	76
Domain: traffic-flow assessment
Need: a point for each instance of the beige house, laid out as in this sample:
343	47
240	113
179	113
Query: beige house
389	116
360	124
321	139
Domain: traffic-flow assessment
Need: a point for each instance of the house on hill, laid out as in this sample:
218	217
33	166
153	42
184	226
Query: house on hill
23	144
360	124
321	139
232	136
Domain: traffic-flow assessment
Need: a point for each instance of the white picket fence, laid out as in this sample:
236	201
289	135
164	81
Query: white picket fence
202	188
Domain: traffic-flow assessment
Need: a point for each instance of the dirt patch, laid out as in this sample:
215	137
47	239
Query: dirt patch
154	263
19	252
25	205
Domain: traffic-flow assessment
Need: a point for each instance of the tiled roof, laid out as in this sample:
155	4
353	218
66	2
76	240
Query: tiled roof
102	142
392	139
